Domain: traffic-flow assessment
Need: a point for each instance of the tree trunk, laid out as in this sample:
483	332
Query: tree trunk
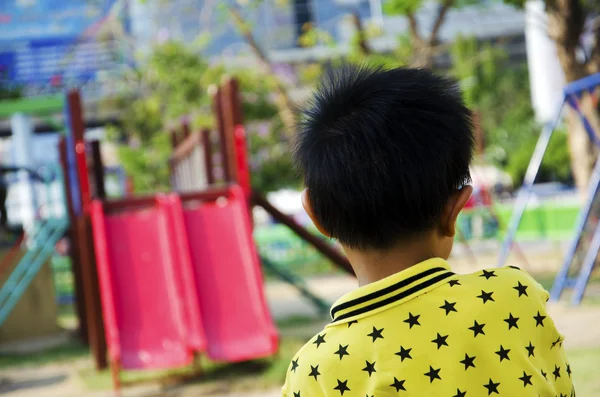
566	20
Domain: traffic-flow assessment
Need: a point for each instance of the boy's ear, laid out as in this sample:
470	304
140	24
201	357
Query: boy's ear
456	204
309	210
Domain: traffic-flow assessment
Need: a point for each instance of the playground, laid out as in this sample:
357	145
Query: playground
163	262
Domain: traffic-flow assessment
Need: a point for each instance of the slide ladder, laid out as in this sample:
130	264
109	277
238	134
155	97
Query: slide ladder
41	249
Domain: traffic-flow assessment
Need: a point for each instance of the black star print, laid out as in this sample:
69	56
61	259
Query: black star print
342	351
477	329
530	350
404	353
297	394
370	368
398	385
526	379
486	296
521	288
342	387
545	375
320	340
468	361
556	342
503	353
556	372
454	282
294	365
449	307
314	371
488	275
460	393
539	319
433	374
440	341
412	320
569	370
492	387
512	321
352	322
376	334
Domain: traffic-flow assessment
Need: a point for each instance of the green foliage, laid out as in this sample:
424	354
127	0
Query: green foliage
500	94
401	7
555	166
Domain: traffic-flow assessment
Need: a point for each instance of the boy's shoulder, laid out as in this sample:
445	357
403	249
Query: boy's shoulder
459	312
510	281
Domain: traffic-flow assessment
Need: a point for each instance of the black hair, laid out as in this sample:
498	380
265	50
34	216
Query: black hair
381	151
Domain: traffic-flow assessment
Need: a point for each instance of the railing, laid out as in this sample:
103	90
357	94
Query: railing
48	228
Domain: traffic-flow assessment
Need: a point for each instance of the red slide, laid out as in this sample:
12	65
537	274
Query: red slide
228	278
148	294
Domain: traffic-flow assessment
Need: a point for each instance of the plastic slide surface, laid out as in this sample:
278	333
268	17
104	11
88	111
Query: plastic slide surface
228	278
148	297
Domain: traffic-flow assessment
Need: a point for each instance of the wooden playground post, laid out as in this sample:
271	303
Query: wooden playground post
208	160
74	252
84	234
98	170
216	95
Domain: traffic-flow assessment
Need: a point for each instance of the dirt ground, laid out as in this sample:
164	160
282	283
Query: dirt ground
580	326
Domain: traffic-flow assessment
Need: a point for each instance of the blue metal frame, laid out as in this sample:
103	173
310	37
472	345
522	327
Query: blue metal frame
571	95
527	188
561	280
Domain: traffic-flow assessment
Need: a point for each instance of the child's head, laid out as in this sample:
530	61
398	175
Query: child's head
385	156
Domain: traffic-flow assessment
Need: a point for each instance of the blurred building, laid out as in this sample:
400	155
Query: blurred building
277	25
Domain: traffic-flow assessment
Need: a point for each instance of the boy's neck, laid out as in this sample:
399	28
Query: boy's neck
374	265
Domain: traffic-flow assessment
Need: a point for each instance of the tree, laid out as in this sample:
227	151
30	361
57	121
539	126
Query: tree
566	26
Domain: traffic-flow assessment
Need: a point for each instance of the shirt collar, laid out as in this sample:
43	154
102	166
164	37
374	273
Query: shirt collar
391	290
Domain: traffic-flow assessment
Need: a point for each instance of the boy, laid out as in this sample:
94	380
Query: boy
385	156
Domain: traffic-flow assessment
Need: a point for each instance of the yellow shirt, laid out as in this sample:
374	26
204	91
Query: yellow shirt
428	332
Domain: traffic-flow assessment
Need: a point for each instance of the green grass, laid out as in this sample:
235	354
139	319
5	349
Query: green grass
584	363
258	374
68	352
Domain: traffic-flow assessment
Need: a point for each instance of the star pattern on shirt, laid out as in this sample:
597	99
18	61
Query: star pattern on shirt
539	319
440	341
468	361
454	282
486	296
516	318
492	387
370	368
556	372
526	379
320	340
522	289
376	334
342	351
512	321
404	353
530	350
342	387
477	328
412	320
433	374
314	372
488	274
503	353
398	385
460	393
558	341
449	307
295	365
